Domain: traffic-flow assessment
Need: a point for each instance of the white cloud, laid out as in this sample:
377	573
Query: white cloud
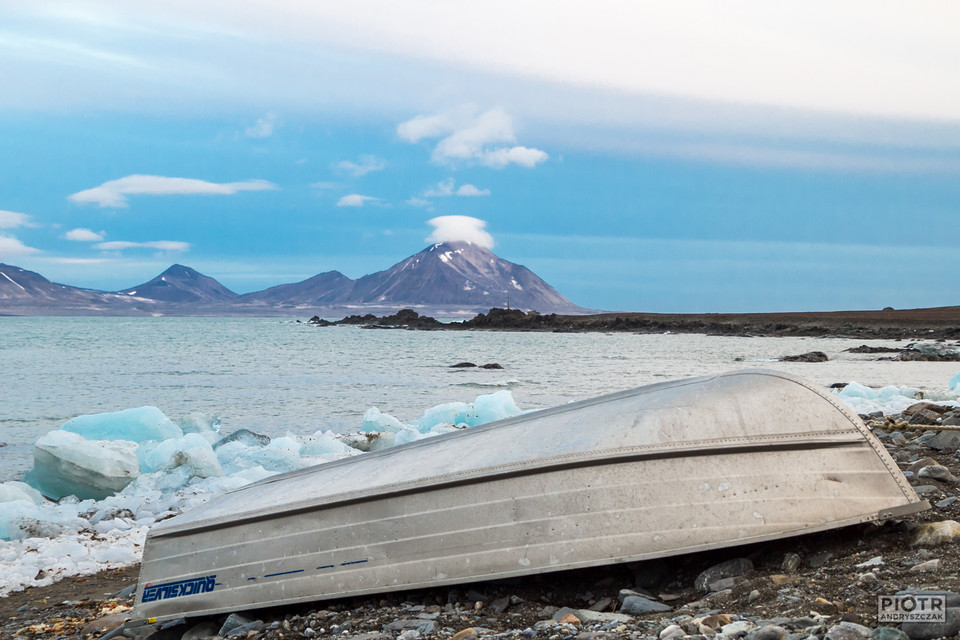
113	192
524	156
464	135
263	128
366	164
80	260
84	235
10	246
448	187
460	229
471	191
444	188
162	245
355	200
12	220
418	202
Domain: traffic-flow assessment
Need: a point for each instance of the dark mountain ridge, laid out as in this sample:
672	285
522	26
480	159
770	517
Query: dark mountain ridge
445	279
182	284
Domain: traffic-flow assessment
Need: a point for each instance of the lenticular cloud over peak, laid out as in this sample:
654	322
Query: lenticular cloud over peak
113	193
460	229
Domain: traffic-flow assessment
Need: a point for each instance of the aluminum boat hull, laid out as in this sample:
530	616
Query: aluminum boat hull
656	471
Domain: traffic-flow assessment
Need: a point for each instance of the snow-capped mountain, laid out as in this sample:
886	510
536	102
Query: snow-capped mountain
460	274
182	284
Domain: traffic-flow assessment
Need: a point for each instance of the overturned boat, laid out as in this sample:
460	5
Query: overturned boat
660	470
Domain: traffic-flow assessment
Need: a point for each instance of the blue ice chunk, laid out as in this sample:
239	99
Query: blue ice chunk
326	445
67	464
955	383
14	515
375	421
10	491
192	451
136	425
486	408
282	454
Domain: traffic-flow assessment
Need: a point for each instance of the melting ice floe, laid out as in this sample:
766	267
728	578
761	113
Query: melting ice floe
892	399
115	474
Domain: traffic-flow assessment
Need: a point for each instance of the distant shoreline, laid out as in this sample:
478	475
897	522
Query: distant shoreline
941	323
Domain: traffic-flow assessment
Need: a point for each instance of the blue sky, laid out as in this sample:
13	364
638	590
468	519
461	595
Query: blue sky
687	156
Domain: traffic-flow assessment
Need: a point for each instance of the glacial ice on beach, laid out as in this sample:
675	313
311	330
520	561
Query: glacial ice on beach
437	420
135	425
161	470
892	399
65	463
955	383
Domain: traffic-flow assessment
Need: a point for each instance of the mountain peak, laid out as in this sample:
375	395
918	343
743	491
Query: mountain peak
460	274
182	284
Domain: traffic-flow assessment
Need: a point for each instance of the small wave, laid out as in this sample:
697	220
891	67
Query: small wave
489	385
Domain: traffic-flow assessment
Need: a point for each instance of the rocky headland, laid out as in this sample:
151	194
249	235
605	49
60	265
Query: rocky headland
910	324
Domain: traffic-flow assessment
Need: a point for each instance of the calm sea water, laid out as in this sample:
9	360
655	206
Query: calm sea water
276	376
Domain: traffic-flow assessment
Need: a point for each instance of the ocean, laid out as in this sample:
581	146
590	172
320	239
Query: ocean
283	378
277	376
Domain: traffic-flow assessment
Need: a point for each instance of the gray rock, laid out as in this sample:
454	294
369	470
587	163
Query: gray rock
624	593
937	472
736	629
500	605
562	613
128	591
244	629
723	584
729	569
925	489
476	596
791	562
588	615
930	630
812	356
201	630
888	633
946	502
953	599
951	420
233	621
920	463
635	606
398	626
847	631
601	605
945	441
926	567
768	632
925	417
817	560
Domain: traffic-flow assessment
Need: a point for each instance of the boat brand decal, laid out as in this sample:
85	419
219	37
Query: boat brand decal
193	586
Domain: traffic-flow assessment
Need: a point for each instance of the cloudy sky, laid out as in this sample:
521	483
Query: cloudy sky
679	156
